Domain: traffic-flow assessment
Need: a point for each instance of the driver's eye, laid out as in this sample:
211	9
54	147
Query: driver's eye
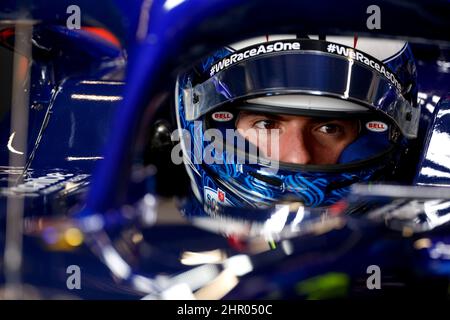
265	124
330	128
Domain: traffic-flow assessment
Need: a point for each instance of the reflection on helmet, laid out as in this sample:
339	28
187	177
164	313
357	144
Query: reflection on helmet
370	83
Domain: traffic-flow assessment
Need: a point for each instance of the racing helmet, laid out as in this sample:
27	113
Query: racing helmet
369	81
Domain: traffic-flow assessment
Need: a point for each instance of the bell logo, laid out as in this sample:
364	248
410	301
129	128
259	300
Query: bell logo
222	116
220	195
376	126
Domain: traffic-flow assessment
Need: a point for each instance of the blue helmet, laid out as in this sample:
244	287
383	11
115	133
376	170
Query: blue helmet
370	80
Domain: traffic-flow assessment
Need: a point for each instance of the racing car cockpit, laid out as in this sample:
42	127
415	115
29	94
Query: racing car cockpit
291	223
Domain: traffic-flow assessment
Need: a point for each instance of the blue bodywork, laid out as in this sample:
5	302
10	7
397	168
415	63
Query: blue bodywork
86	122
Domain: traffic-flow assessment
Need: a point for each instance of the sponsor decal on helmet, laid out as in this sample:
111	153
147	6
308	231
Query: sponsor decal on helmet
253	52
376	126
222	116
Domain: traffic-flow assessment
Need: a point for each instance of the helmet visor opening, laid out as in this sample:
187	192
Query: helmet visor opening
298	139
